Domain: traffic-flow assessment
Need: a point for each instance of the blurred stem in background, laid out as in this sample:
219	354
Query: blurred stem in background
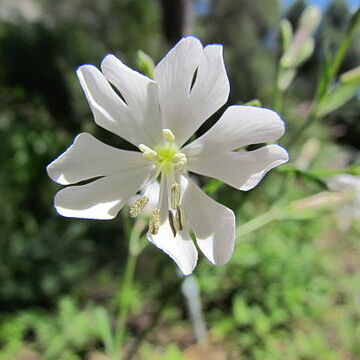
329	97
191	292
296	49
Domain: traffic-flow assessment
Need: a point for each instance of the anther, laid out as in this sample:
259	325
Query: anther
172	223
175	195
148	153
179	219
138	206
154	224
168	135
181	164
178	157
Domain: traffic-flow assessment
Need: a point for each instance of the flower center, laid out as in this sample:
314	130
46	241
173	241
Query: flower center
167	157
169	161
166	153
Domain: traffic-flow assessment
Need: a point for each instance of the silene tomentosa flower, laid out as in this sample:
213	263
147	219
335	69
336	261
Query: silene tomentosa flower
159	116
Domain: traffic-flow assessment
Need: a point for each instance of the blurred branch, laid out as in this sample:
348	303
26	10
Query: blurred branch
325	83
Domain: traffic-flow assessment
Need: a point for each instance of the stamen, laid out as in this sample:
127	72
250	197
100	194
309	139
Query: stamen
154	224
138	206
148	153
181	164
178	157
172	223
175	195
179	217
168	135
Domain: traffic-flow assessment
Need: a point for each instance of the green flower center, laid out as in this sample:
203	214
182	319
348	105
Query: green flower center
166	153
167	156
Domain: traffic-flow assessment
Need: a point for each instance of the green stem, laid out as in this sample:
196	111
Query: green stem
340	54
257	222
323	88
135	248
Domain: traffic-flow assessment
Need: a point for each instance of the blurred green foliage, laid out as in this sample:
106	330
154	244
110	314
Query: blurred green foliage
291	289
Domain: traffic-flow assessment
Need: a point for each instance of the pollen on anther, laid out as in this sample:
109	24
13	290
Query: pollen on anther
154	224
138	206
175	195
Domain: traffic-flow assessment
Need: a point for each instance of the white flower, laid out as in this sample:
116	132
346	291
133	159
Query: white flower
159	116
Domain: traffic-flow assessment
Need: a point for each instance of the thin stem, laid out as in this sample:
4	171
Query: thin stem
323	88
340	54
191	292
257	222
135	249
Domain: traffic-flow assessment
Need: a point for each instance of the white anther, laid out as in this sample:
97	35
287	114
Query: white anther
148	153
178	157
180	164
144	148
168	135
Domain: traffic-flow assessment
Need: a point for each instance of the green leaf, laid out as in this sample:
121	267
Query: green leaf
104	328
305	51
325	73
351	77
286	34
285	78
212	186
338	96
254	102
145	64
241	311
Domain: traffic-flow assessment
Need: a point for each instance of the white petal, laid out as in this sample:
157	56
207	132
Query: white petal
110	112
185	107
180	248
101	199
240	126
242	170
88	157
140	94
212	223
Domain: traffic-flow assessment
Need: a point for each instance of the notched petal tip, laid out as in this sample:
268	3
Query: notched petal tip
54	169
278	156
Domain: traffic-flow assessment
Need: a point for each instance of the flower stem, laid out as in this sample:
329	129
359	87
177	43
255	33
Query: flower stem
125	294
